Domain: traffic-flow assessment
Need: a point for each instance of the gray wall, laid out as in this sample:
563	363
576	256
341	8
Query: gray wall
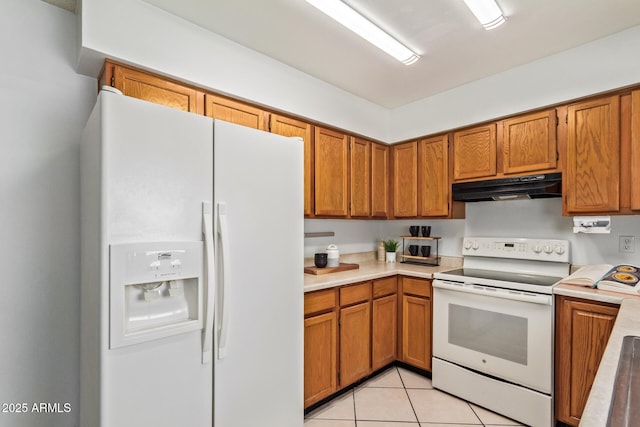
43	107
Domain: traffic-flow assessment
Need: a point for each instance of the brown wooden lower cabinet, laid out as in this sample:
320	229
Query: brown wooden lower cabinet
351	331
416	322
320	351
582	330
384	322
320	345
355	343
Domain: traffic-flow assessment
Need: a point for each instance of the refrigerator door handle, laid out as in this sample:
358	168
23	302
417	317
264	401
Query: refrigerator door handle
224	284
209	289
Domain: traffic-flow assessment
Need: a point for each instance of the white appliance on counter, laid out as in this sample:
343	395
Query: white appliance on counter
192	258
493	326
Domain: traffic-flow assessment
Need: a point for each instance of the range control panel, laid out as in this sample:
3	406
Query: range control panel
517	248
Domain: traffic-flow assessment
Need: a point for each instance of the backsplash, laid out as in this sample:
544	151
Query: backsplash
351	236
540	218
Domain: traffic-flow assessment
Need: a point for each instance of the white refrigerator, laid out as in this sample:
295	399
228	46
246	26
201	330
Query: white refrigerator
192	270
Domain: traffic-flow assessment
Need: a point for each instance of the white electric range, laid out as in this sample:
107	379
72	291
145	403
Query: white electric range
493	325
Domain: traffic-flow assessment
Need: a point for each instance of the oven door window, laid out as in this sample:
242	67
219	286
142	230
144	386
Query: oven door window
497	334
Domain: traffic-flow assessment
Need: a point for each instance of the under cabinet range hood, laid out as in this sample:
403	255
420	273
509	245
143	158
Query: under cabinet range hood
522	187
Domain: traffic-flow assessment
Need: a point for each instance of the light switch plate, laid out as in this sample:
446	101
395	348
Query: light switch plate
627	244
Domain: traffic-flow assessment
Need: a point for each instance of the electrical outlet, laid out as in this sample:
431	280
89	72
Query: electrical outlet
627	244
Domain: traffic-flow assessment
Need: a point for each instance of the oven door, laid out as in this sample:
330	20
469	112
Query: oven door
504	333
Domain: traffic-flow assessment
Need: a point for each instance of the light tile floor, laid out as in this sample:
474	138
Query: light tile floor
400	398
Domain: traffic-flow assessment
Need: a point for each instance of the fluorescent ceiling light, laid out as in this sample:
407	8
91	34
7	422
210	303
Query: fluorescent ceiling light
487	12
351	19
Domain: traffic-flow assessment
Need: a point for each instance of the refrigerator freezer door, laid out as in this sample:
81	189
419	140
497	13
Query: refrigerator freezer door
158	169
258	180
146	171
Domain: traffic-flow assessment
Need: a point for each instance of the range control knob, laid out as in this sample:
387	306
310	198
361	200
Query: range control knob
476	245
537	249
559	250
467	244
548	249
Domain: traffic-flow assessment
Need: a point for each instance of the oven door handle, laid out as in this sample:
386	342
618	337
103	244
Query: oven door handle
493	292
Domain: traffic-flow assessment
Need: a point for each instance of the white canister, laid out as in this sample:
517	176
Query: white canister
333	256
381	252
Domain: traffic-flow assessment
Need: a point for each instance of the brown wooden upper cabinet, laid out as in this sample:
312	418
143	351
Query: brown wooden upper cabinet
286	126
331	172
474	153
405	180
433	176
592	176
379	181
635	150
360	177
159	90
232	111
529	143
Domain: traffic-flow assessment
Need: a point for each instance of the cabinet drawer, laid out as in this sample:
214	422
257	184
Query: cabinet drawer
384	287
318	301
355	293
420	287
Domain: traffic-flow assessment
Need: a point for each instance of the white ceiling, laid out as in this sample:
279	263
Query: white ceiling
455	49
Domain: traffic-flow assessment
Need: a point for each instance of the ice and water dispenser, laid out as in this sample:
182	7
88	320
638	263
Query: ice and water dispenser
155	290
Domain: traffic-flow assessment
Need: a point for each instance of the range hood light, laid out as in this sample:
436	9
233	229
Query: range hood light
487	12
357	23
511	197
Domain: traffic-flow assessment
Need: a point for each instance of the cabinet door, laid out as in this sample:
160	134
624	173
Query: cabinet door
158	90
433	176
582	332
379	180
416	331
529	143
320	357
331	175
228	110
355	342
405	180
592	182
360	166
635	150
384	331
289	127
474	153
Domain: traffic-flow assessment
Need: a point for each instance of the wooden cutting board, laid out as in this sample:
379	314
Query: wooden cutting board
326	270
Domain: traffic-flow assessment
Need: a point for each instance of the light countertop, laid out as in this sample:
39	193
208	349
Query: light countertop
596	410
371	269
